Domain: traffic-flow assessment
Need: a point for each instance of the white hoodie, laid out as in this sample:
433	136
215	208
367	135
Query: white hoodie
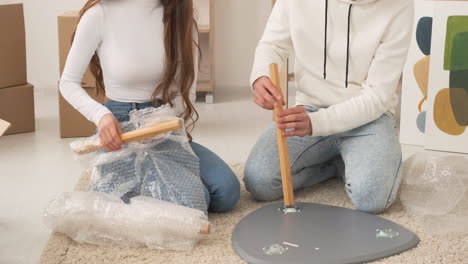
379	37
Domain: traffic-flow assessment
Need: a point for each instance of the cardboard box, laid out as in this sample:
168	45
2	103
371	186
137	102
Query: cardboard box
17	108
66	27
12	46
72	123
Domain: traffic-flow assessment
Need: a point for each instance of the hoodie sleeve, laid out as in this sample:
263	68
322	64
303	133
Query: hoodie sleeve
380	86
276	44
87	40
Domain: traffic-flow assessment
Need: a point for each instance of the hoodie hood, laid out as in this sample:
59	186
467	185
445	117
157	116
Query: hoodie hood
358	2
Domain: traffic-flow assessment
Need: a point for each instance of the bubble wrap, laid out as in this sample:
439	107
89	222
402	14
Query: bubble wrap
166	169
435	190
99	218
149	193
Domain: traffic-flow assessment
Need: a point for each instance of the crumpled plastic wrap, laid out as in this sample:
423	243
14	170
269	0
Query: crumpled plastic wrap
149	193
435	190
99	218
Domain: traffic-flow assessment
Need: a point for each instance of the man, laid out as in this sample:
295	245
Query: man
349	59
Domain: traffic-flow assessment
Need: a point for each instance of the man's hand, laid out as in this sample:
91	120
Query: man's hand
297	119
265	94
109	133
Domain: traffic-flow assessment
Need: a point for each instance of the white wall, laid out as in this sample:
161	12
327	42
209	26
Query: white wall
239	25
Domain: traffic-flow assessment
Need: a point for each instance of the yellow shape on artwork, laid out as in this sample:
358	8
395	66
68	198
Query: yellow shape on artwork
443	114
421	74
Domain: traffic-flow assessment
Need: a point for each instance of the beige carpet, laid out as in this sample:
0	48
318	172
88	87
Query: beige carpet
217	248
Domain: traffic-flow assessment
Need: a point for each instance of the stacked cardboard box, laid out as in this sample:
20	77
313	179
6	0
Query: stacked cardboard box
72	123
16	95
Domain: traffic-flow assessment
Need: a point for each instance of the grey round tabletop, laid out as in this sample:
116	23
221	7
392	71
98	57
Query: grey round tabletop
318	234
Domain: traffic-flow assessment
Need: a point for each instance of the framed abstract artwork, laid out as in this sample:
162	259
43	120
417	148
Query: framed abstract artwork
416	77
447	114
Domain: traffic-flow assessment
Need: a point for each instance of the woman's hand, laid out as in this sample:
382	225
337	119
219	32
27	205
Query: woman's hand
295	118
265	94
109	133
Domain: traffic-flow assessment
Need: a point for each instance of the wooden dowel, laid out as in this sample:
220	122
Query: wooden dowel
139	134
288	191
205	230
151	131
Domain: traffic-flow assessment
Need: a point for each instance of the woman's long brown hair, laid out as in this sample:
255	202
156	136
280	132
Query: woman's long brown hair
179	72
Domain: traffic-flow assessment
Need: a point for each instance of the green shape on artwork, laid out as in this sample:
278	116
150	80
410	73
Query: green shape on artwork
459	102
460	52
459	79
455	25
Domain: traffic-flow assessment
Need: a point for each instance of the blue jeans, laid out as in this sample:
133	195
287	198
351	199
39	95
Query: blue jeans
371	168
222	187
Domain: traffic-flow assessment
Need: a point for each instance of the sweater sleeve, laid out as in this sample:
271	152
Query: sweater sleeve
380	86
87	41
276	44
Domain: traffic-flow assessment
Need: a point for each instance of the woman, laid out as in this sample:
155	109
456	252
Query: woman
349	59
143	53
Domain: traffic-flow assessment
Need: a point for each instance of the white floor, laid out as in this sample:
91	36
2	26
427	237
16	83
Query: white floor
36	166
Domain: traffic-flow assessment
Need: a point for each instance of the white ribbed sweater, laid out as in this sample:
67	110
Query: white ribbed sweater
128	37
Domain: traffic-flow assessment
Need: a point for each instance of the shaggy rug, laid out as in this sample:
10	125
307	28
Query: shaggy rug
450	248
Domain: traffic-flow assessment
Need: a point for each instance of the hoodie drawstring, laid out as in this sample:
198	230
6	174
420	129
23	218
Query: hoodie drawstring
325	44
347	44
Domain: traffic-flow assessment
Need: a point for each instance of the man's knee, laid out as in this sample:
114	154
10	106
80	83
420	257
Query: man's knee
374	188
369	204
262	176
370	198
263	184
